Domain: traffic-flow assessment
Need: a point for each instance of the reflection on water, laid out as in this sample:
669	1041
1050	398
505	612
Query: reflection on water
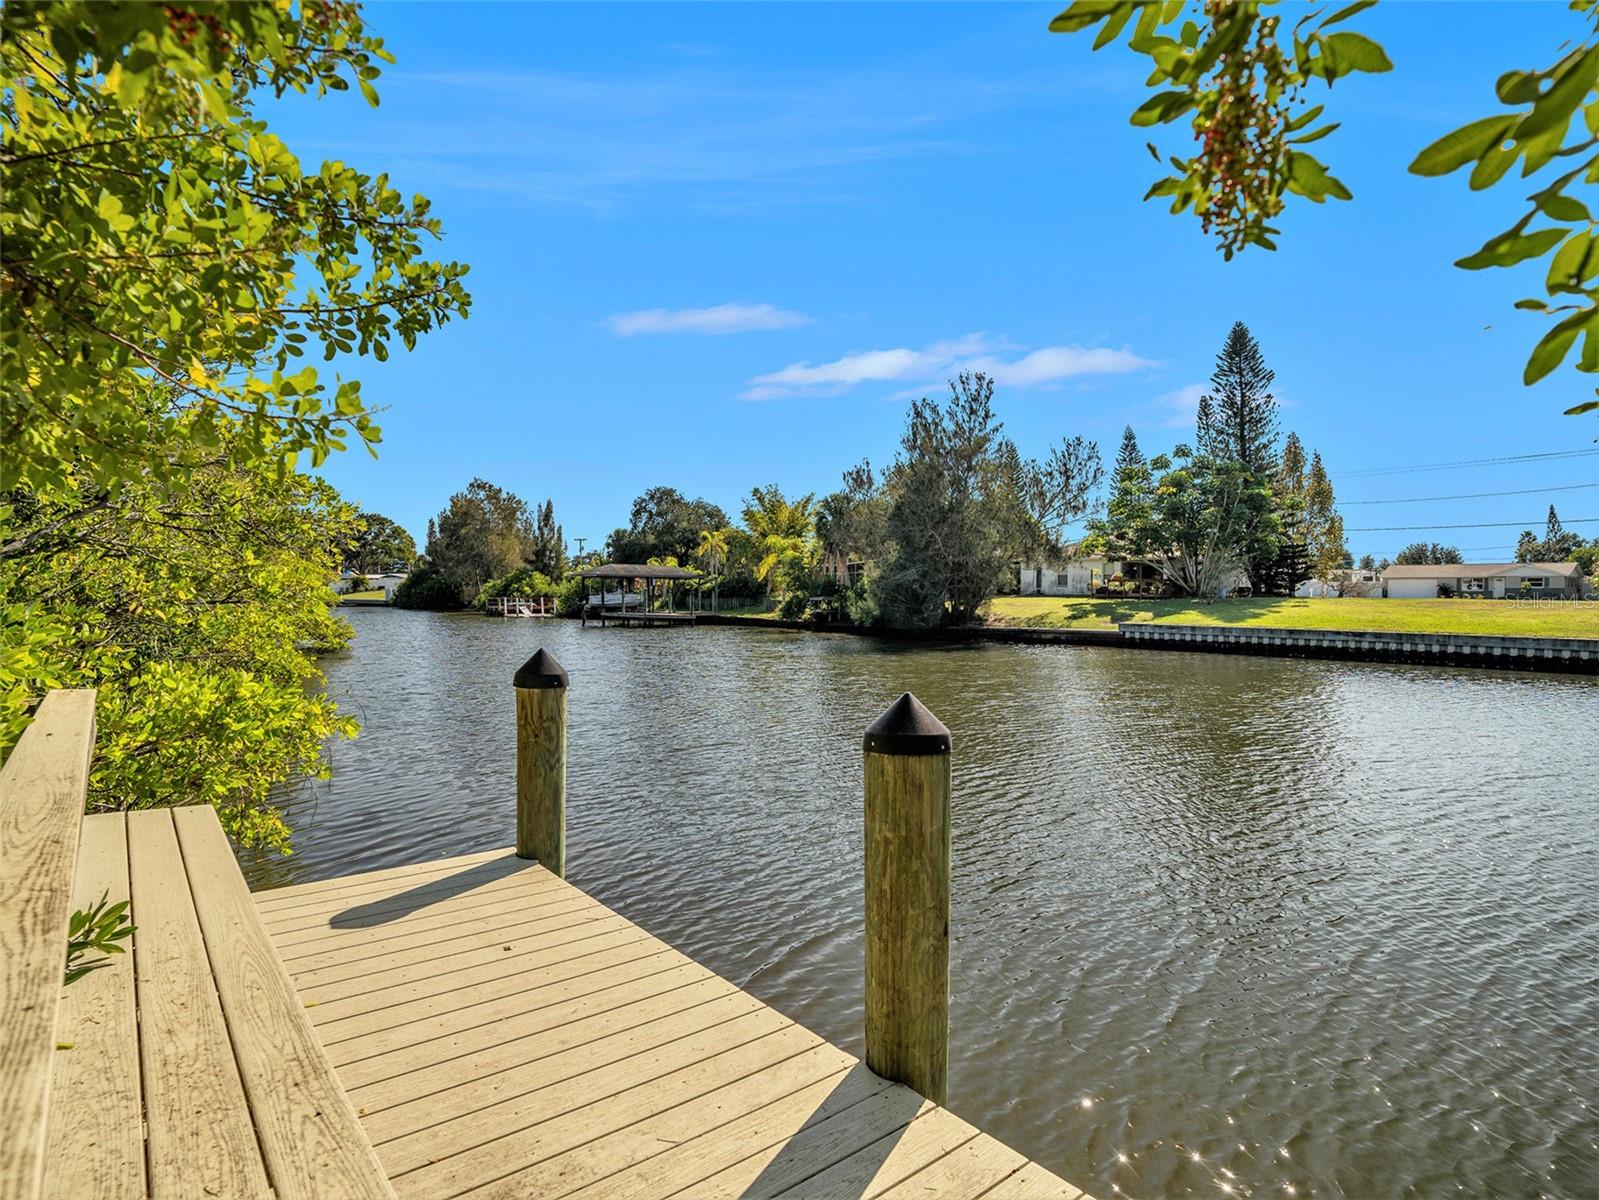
1223	925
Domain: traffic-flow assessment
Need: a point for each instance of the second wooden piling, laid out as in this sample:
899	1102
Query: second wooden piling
907	898
541	761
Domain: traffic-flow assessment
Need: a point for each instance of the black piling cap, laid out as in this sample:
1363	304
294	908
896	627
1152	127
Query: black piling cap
540	671
907	728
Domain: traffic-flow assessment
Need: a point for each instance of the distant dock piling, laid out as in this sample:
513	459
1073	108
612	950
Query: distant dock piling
541	762
907	753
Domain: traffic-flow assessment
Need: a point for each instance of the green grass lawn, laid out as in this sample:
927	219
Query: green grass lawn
374	594
1495	617
748	610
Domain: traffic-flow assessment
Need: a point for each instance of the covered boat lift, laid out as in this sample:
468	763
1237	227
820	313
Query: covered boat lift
644	612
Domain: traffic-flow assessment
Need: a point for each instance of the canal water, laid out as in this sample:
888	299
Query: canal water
1222	925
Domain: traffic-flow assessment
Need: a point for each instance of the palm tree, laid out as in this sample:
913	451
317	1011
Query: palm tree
768	514
780	527
712	553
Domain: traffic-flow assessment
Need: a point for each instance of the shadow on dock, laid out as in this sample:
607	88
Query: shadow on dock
435	891
861	1106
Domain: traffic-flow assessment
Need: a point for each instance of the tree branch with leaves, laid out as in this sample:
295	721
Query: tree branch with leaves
1237	73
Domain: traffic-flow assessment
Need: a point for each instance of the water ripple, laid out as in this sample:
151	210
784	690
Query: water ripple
1223	925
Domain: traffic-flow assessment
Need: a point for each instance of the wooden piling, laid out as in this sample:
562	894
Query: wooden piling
907	753
541	762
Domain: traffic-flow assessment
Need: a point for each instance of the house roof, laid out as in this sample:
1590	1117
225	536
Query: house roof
636	571
1568	570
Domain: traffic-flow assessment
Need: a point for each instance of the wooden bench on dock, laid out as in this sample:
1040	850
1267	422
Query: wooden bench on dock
469	1026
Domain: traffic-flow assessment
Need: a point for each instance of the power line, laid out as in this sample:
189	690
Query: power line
1548	456
1481	525
1571	487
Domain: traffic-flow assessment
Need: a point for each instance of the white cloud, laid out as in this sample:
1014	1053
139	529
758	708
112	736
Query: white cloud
1046	366
1182	404
723	318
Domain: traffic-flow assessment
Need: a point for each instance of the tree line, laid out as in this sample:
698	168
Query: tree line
933	537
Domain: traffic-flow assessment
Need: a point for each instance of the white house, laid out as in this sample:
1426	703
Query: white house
385	581
1085	576
1353	581
1492	580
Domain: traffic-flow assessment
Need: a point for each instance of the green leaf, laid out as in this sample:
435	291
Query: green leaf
1162	107
1307	177
1554	108
1491	167
1304	118
1343	14
1084	13
1585	406
1313	136
1512	246
1518	87
1113	26
1464	145
1566	267
1562	207
1355	52
370	92
1552	348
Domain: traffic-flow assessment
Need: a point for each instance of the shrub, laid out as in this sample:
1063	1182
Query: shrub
427	587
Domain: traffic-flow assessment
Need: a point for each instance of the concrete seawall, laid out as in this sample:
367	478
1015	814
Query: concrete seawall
1475	650
1572	655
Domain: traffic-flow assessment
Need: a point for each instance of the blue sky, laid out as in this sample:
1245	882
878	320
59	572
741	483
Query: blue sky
718	246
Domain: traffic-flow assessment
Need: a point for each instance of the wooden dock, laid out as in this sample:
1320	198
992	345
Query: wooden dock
634	616
468	1026
503	1034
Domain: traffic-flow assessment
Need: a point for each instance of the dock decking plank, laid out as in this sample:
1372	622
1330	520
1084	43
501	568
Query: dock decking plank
1032	1182
96	1125
201	1139
873	1170
310	1137
963	1174
605	1038
643	1140
275	899
42	788
580	1147
532	1127
546	1007
365	910
587	1074
462	913
688	1167
439	962
504	1035
834	1137
362	960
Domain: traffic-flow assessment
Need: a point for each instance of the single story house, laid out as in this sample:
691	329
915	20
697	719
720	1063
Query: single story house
385	582
1494	581
1351	581
1084	576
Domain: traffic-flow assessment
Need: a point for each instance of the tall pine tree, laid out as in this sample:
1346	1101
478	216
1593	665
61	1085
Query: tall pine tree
1205	426
1245	411
1238	425
1130	456
548	554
